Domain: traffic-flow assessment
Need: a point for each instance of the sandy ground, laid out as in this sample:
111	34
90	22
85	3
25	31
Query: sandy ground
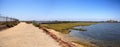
26	35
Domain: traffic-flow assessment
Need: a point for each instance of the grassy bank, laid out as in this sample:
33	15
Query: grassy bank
65	27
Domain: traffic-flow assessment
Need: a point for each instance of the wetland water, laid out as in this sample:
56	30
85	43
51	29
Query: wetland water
102	34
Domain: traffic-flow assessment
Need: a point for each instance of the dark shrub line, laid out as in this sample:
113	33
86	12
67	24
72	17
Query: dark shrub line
5	25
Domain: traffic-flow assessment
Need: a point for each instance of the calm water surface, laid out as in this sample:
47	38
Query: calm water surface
102	34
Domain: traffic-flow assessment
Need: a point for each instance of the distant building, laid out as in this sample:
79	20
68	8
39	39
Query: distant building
112	21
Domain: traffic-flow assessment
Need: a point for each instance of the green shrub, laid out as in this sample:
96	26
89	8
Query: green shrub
35	24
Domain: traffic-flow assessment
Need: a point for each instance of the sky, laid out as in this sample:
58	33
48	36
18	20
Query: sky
70	10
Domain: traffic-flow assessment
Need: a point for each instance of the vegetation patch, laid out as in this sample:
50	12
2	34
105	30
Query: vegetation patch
80	29
35	24
65	27
4	25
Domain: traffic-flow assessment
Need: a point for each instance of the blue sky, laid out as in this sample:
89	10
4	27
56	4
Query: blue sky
80	10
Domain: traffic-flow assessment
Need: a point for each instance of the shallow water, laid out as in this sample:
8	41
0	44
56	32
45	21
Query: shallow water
102	34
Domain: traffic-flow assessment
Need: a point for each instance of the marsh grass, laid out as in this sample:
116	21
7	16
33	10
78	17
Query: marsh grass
65	27
80	29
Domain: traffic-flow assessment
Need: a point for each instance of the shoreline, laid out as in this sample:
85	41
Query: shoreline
58	31
67	39
63	39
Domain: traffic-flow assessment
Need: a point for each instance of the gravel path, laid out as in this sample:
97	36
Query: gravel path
26	35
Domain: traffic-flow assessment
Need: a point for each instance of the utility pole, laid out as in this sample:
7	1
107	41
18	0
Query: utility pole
6	19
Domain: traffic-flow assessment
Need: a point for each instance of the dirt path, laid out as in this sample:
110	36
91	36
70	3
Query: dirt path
26	35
